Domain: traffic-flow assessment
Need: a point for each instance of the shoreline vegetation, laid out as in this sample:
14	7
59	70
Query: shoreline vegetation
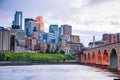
26	58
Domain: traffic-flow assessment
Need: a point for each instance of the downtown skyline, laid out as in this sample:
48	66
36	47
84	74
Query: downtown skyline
87	17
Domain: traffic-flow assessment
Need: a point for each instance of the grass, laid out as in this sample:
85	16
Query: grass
25	56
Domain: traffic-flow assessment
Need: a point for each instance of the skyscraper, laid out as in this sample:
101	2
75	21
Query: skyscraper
26	24
31	25
55	30
39	20
18	19
66	29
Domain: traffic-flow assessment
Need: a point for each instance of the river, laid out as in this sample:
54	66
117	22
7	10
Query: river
54	72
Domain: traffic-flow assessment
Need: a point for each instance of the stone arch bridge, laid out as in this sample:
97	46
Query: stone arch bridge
108	55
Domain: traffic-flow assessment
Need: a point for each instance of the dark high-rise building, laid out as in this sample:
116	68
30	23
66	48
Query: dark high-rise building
66	29
18	19
26	24
15	27
55	30
12	42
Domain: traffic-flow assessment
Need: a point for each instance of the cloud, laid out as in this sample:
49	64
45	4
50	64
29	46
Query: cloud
87	16
5	18
95	2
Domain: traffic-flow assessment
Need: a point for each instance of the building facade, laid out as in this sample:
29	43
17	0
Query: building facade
31	25
70	44
18	19
26	24
111	38
66	29
31	43
50	38
54	29
4	40
39	20
96	44
74	39
19	36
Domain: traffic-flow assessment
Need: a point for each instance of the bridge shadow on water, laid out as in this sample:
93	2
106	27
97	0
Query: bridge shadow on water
115	73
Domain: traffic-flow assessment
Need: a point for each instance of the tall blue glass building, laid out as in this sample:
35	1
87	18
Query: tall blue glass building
26	25
55	30
18	19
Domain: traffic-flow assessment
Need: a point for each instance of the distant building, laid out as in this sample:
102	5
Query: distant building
66	29
42	47
70	44
45	37
72	48
4	40
50	38
111	38
96	44
55	30
26	24
31	43
15	27
12	42
17	20
35	33
31	25
54	47
39	20
74	39
118	37
20	36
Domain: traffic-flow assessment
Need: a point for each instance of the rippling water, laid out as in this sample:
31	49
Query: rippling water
54	72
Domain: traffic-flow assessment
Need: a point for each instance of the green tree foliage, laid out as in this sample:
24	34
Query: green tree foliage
2	56
62	52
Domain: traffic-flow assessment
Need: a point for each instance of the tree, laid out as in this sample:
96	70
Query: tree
2	56
48	48
62	52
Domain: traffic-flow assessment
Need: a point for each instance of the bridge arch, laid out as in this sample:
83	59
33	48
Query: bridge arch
89	58
99	57
113	60
93	57
105	58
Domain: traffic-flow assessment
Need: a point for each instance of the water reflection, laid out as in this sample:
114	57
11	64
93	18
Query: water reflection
54	72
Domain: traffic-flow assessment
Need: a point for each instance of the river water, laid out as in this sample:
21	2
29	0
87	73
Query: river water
54	72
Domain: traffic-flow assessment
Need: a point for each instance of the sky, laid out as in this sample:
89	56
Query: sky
87	17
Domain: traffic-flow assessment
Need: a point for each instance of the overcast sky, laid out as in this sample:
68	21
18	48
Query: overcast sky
87	17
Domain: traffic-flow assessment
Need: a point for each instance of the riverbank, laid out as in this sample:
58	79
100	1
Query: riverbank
16	63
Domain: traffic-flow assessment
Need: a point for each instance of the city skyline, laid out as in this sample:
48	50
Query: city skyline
87	17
